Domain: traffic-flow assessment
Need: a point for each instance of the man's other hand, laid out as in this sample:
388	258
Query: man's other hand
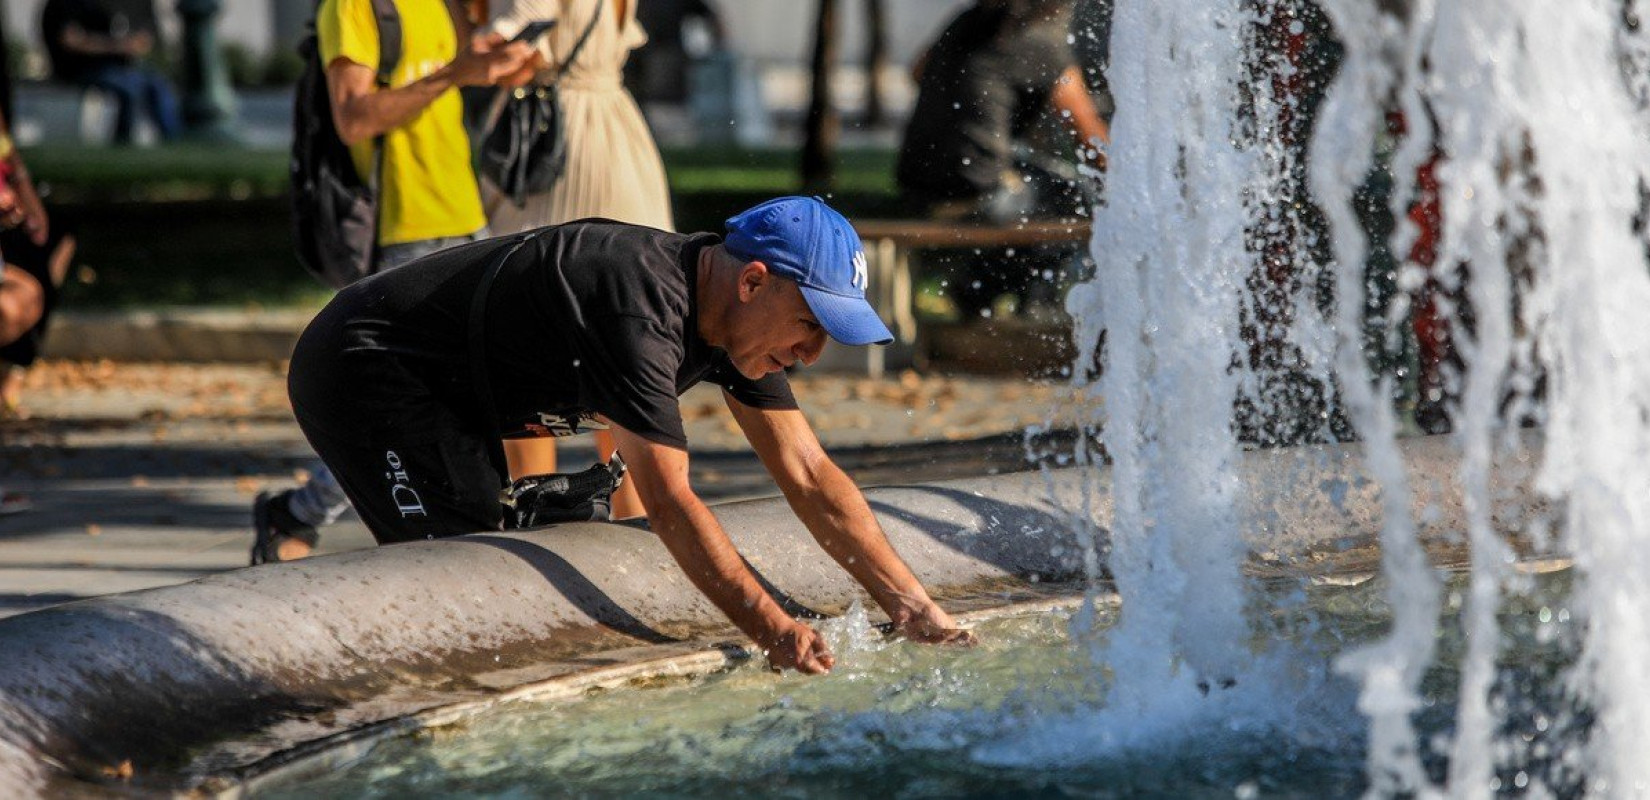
931	625
489	60
801	648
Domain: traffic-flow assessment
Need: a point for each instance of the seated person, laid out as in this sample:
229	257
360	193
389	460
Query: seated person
981	87
997	70
27	293
36	257
100	44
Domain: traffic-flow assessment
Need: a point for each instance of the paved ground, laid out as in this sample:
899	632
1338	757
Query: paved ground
142	474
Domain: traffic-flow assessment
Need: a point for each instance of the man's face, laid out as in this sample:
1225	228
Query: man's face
772	326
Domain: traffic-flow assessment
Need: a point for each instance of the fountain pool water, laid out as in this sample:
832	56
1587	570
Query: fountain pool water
1024	714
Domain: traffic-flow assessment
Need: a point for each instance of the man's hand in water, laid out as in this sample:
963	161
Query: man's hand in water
801	648
931	625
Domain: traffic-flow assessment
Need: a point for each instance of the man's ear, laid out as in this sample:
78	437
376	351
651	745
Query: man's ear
753	276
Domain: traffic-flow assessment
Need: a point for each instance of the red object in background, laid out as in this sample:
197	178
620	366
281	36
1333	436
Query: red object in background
1433	334
1431	329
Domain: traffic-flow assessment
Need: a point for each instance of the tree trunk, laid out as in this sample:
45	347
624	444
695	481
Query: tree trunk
876	57
819	146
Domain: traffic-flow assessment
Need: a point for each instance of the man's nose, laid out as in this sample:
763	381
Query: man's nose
809	349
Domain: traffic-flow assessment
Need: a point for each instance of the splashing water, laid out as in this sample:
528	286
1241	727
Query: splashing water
1534	115
1171	253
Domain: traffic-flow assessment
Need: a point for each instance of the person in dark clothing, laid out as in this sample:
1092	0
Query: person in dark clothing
996	69
406	381
101	44
1091	30
658	71
968	154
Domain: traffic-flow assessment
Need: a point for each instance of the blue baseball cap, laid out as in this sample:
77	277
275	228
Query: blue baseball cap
806	241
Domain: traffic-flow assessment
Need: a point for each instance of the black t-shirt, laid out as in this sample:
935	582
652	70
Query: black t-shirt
987	77
100	17
591	317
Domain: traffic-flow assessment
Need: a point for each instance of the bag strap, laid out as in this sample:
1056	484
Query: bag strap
389	57
389	39
502	96
478	351
573	55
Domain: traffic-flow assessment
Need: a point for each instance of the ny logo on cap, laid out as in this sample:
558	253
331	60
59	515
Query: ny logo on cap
860	279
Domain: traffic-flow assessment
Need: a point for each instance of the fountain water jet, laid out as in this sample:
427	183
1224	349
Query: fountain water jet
1539	110
1170	253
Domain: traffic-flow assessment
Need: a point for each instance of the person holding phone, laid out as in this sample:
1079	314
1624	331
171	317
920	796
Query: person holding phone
613	166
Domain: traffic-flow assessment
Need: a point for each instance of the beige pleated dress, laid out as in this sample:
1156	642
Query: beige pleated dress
613	166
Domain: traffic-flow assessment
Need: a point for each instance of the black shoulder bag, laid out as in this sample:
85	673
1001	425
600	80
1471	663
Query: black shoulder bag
534	500
525	146
334	209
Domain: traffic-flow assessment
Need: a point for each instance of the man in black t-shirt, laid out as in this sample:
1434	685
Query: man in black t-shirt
993	72
602	323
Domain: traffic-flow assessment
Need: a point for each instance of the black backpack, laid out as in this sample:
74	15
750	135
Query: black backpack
334	211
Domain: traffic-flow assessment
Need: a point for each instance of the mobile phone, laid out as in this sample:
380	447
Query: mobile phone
533	30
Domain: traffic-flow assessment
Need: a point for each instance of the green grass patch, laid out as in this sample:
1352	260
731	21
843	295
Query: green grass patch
194	172
162	174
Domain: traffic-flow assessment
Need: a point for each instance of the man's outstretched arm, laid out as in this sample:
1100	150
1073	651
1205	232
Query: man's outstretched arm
703	550
835	512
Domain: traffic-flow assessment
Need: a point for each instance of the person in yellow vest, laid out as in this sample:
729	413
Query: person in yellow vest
428	198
